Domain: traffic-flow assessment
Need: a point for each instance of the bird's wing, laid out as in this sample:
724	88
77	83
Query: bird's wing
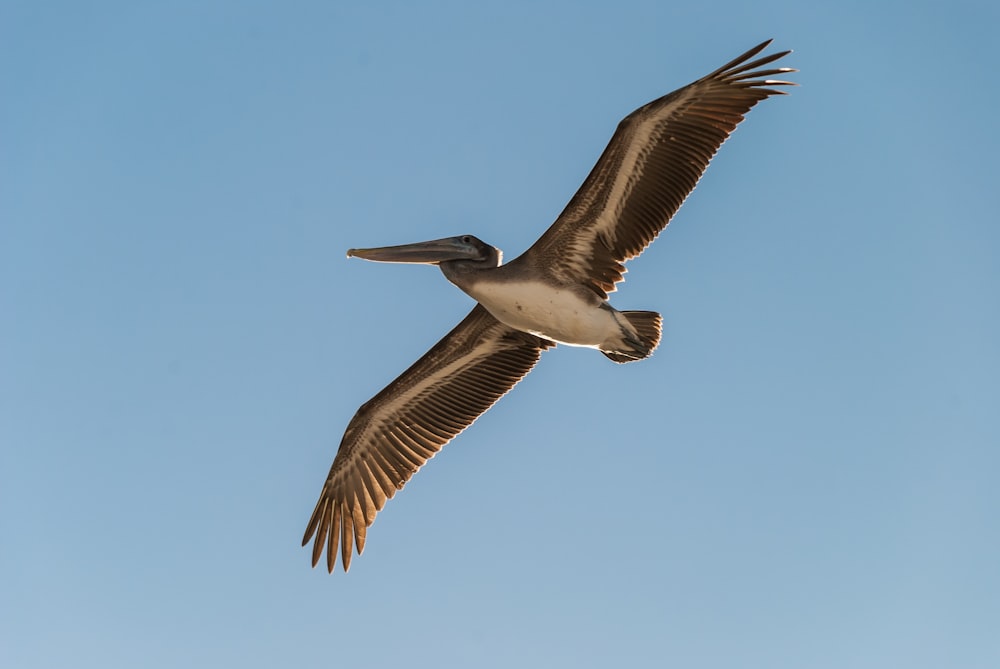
652	163
397	431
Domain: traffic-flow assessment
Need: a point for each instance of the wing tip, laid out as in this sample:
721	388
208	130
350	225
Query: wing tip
741	67
324	529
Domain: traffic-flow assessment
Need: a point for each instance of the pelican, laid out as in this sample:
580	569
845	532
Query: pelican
554	293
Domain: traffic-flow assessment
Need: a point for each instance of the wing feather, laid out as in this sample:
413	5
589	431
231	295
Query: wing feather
653	162
397	431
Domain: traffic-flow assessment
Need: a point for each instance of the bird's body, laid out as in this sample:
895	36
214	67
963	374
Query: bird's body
565	313
556	292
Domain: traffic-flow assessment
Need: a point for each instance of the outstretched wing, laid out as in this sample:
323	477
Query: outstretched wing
654	160
397	431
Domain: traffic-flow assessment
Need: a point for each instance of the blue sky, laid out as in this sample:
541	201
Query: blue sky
804	475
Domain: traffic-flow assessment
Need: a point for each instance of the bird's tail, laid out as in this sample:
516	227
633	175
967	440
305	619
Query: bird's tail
647	326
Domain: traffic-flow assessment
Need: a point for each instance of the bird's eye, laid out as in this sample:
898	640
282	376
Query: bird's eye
467	239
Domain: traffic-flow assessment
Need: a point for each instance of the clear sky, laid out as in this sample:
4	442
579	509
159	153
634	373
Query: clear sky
805	474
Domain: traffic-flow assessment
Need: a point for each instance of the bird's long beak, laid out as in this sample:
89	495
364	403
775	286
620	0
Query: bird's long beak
432	252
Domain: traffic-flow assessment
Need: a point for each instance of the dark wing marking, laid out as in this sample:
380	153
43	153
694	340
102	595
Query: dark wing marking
397	431
654	160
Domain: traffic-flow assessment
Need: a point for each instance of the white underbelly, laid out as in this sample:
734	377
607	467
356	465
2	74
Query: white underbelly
553	313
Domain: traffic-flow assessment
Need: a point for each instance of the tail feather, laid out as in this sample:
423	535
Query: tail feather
648	326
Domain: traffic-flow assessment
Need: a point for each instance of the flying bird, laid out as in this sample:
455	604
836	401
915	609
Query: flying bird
555	292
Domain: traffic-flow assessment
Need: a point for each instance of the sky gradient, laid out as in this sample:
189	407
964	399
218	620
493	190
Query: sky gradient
803	475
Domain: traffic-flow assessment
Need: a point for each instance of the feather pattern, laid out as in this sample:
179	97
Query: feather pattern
397	431
653	161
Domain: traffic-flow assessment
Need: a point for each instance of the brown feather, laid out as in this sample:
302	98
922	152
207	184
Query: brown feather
397	431
653	162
